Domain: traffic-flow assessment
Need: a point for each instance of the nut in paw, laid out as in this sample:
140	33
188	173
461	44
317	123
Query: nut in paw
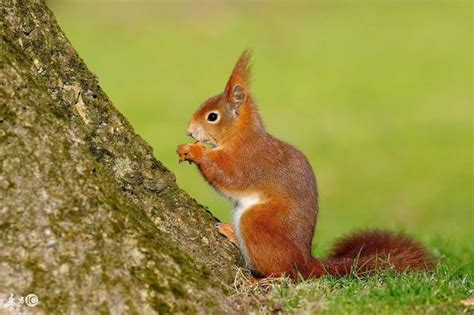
189	152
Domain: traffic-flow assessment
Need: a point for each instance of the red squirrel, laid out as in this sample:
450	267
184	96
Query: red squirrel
273	188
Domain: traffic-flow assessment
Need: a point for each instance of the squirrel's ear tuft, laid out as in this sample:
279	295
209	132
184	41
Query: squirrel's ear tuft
237	87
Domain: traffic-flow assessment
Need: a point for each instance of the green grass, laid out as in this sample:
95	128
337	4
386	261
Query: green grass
377	94
441	291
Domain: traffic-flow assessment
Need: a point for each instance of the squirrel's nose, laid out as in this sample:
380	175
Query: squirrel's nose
190	131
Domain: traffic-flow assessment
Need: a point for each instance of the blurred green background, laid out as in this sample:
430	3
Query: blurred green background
378	94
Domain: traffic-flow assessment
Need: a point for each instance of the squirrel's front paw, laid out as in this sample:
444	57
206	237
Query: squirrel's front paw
190	152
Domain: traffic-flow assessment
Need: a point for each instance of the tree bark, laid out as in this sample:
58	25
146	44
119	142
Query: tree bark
90	221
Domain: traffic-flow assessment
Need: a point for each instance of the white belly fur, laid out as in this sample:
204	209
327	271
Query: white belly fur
242	204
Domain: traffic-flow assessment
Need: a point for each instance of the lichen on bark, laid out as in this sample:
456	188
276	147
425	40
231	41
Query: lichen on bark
90	221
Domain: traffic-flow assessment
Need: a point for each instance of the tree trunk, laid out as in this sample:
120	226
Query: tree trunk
90	221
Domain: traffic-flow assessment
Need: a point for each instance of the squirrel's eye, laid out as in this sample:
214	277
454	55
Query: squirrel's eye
212	116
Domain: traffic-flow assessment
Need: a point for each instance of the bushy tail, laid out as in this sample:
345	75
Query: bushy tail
366	251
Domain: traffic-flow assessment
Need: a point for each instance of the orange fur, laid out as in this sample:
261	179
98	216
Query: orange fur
274	191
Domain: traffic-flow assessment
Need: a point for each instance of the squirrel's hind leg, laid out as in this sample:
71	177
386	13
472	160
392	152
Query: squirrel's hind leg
227	230
271	243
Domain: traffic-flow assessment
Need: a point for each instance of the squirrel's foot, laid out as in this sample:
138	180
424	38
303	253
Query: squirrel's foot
227	230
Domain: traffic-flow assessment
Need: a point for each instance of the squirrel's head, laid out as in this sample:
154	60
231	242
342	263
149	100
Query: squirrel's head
225	115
